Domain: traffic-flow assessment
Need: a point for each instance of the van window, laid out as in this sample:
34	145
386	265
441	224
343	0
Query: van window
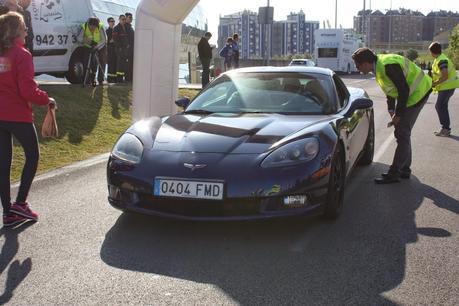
328	52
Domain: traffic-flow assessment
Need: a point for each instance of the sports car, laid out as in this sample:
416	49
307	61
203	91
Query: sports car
258	142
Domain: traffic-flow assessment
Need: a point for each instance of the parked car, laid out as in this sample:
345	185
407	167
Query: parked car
258	142
302	62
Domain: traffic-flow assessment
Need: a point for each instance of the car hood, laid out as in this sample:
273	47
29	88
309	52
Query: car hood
228	133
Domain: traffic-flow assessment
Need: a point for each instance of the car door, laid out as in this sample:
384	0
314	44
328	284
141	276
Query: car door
357	123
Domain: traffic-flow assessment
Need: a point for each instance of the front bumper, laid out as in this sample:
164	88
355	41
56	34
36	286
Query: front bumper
249	192
207	210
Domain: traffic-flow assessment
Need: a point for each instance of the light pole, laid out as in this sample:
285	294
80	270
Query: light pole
268	32
336	14
390	25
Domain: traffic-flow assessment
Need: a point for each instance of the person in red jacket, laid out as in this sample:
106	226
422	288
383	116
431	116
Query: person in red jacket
18	90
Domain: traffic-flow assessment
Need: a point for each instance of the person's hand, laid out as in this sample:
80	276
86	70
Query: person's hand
52	103
396	120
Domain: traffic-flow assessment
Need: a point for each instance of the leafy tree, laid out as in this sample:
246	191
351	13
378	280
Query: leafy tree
453	50
412	54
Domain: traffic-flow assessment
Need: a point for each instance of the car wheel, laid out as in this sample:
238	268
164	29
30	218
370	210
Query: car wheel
75	74
335	197
369	149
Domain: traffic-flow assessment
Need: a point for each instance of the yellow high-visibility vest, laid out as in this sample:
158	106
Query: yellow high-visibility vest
92	36
417	80
452	81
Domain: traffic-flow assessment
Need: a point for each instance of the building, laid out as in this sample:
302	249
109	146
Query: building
244	23
403	28
438	22
292	36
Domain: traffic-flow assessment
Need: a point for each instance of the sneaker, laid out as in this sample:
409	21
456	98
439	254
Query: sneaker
24	210
443	133
11	219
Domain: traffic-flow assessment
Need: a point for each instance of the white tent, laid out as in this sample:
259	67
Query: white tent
156	57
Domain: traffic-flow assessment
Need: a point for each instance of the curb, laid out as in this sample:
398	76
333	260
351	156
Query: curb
93	161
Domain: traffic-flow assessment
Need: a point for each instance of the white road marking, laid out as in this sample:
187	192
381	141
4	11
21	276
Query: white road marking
382	149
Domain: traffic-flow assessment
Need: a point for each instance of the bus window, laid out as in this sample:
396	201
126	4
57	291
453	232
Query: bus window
328	52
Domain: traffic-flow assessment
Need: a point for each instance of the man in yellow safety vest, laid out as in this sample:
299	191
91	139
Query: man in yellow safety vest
445	81
402	81
93	38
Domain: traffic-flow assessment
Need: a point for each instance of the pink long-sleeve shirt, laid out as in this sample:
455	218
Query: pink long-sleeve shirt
18	89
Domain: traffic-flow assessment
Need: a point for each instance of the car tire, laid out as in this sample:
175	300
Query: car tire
75	74
369	148
335	196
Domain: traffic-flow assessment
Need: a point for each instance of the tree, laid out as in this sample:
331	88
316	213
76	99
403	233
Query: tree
453	50
412	54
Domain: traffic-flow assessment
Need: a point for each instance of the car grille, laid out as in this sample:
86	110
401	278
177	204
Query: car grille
201	208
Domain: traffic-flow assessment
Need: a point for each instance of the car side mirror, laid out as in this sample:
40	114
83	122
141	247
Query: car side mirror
183	102
360	103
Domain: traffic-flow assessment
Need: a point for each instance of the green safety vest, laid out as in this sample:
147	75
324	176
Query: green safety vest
417	80
452	81
93	36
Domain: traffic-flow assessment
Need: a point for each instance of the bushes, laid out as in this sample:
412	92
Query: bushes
453	50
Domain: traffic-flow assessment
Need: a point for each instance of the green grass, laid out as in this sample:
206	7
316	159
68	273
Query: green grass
90	120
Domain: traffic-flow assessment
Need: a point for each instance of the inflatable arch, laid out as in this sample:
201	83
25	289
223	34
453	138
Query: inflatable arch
156	57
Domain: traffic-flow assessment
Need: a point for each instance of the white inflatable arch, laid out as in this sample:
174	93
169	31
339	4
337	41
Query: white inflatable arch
156	57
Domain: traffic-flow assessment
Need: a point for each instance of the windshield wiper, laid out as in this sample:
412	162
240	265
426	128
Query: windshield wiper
199	111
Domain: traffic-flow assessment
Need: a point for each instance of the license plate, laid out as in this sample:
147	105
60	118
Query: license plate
188	189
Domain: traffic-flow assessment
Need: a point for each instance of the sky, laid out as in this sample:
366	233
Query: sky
321	10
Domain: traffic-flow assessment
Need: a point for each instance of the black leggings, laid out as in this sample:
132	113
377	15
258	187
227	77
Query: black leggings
26	134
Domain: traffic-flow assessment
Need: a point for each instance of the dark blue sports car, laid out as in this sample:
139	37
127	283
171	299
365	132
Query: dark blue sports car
255	143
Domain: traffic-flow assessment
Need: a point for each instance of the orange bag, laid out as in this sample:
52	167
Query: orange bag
49	127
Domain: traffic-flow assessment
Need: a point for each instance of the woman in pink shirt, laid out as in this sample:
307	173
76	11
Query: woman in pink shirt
18	90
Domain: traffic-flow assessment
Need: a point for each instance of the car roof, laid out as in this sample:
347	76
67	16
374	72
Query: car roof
286	69
301	60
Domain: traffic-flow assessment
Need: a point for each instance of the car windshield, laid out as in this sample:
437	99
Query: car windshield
261	92
301	62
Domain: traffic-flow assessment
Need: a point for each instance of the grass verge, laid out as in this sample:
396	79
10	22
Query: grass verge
90	120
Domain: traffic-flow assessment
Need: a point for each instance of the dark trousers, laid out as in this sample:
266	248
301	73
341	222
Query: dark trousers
442	107
205	71
92	66
236	59
122	56
111	62
26	134
403	154
130	66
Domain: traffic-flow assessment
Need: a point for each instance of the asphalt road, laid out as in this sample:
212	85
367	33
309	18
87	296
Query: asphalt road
394	244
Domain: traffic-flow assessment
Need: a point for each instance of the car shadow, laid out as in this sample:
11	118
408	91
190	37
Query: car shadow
17	271
352	260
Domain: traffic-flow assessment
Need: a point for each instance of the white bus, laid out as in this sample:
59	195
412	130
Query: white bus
56	24
334	48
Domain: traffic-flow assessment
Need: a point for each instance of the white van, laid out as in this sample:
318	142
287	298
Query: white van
56	25
334	48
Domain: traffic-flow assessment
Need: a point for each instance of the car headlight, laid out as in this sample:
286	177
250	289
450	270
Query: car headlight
128	148
295	152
